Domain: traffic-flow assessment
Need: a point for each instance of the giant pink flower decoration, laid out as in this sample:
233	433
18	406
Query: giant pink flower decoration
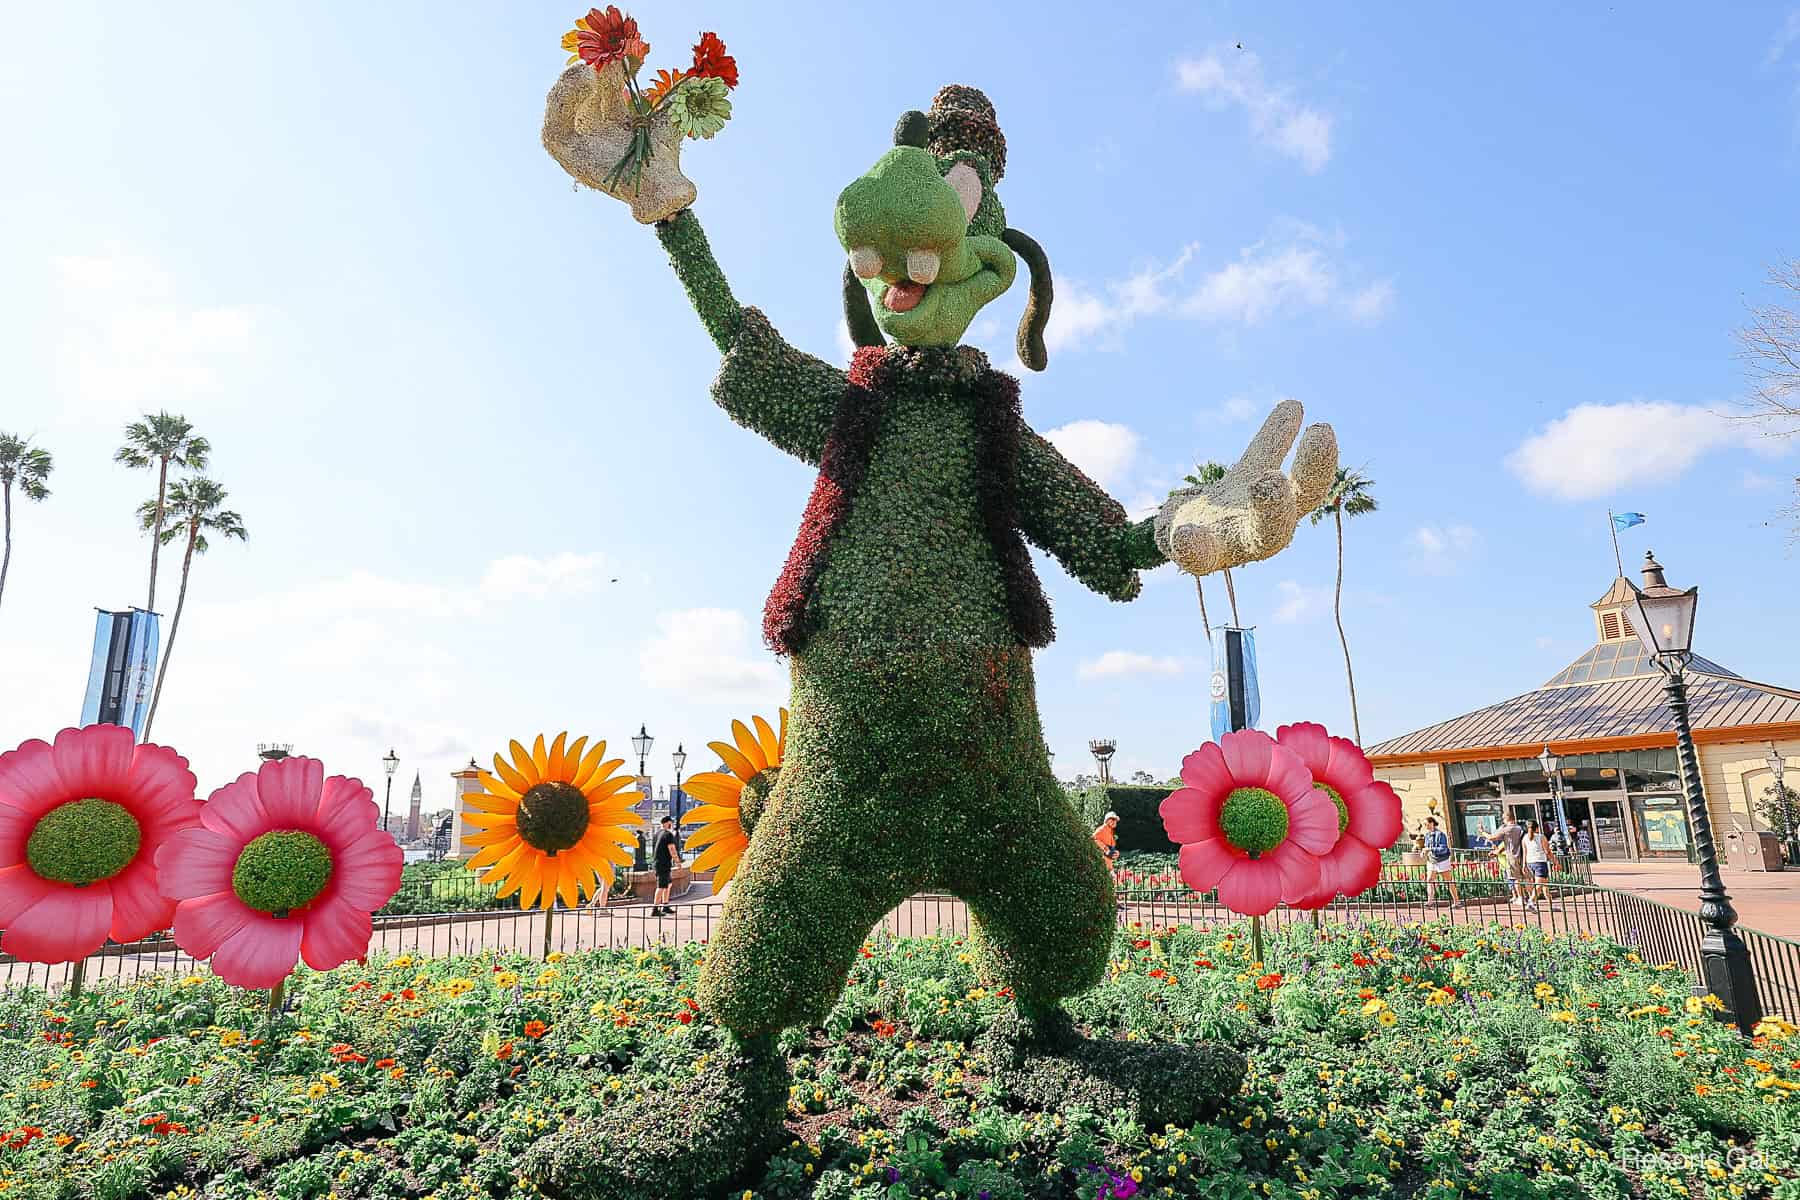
286	865
80	824
1368	811
1250	823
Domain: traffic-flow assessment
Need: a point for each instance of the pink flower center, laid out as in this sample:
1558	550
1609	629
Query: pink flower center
83	842
1254	820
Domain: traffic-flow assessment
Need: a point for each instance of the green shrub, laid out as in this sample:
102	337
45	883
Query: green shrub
1140	818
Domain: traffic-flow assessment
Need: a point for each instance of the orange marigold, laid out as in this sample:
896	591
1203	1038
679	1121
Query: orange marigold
536	1029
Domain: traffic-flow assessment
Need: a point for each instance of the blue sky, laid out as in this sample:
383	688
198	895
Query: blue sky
454	399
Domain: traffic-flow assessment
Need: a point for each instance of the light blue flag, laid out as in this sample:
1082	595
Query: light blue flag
122	669
1236	701
1627	520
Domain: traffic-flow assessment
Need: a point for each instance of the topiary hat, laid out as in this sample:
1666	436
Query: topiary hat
962	118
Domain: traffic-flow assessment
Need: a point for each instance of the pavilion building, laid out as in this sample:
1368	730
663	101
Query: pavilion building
1608	718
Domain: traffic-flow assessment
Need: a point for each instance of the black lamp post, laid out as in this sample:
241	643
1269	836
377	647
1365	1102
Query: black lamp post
641	746
1666	627
679	758
1551	761
388	764
1103	750
1791	836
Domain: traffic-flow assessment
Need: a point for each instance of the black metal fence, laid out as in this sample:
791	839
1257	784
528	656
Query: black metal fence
1658	932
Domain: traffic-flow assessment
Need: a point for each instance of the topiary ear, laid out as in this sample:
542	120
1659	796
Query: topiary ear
858	316
1037	303
913	129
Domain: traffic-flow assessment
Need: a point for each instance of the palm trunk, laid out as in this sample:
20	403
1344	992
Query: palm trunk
1199	590
1231	594
162	670
1337	612
162	485
6	559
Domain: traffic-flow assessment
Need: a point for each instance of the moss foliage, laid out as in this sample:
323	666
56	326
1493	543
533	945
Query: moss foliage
83	841
908	767
639	1150
1253	819
282	871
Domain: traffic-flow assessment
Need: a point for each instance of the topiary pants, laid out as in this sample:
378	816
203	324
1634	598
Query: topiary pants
906	770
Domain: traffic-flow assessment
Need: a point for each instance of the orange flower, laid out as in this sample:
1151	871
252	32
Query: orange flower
711	61
504	1052
603	38
536	1029
663	84
1269	983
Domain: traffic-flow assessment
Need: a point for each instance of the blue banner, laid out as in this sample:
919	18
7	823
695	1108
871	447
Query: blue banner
122	669
1627	520
1236	702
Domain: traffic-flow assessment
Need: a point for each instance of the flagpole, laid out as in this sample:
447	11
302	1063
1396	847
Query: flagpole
1613	526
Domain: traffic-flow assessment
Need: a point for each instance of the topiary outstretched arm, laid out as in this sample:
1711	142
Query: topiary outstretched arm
764	384
1069	515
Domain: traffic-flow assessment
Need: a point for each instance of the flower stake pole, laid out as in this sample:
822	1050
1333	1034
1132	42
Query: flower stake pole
1256	942
277	994
76	975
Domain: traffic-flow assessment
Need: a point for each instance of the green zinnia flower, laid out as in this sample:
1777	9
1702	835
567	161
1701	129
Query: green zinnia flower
700	107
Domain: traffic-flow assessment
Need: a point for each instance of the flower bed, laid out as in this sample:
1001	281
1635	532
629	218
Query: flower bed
1150	877
1425	1061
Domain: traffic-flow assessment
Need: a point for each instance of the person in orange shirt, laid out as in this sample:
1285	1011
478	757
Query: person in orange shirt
1107	837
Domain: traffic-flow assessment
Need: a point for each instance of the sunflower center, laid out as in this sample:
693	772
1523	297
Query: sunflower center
279	872
1254	820
553	816
1343	809
83	842
755	797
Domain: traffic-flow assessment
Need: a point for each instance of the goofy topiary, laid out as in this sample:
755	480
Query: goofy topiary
909	610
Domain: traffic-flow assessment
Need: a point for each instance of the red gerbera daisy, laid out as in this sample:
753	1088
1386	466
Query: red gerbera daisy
603	38
711	61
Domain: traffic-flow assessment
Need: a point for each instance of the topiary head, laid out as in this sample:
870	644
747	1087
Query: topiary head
927	237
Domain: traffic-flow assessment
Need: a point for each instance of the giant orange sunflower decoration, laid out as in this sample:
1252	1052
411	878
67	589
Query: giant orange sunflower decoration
554	822
734	798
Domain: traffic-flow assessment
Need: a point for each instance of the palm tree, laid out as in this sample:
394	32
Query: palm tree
194	504
1349	496
28	466
1212	472
159	441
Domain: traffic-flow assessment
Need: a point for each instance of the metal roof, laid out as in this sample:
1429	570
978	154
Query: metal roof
1607	708
1624	660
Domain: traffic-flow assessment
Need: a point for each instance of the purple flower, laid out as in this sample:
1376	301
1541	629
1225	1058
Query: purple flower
893	1174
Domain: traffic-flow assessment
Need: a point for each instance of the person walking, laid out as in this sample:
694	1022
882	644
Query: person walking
1438	862
1106	836
1509	849
667	853
1537	865
1584	842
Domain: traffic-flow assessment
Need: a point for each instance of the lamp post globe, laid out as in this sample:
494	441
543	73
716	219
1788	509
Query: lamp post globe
640	745
679	758
388	764
1665	626
1551	761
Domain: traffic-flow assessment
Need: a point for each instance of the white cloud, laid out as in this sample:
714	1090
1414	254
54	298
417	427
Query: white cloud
845	343
710	655
522	575
1297	602
1277	119
1595	449
1442	549
1104	450
1293	271
1117	663
1788	36
131	342
1234	410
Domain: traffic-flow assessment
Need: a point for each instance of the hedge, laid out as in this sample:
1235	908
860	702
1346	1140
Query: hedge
1140	824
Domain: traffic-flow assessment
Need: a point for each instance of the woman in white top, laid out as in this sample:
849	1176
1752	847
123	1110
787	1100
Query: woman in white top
1537	864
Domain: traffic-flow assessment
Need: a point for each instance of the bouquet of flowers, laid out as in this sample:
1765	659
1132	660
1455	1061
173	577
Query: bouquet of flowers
695	102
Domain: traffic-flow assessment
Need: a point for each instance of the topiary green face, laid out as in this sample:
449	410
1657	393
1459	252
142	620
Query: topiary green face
1254	820
83	842
279	872
906	226
1343	810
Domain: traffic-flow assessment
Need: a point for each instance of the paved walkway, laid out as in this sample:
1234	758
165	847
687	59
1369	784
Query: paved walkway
1768	901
